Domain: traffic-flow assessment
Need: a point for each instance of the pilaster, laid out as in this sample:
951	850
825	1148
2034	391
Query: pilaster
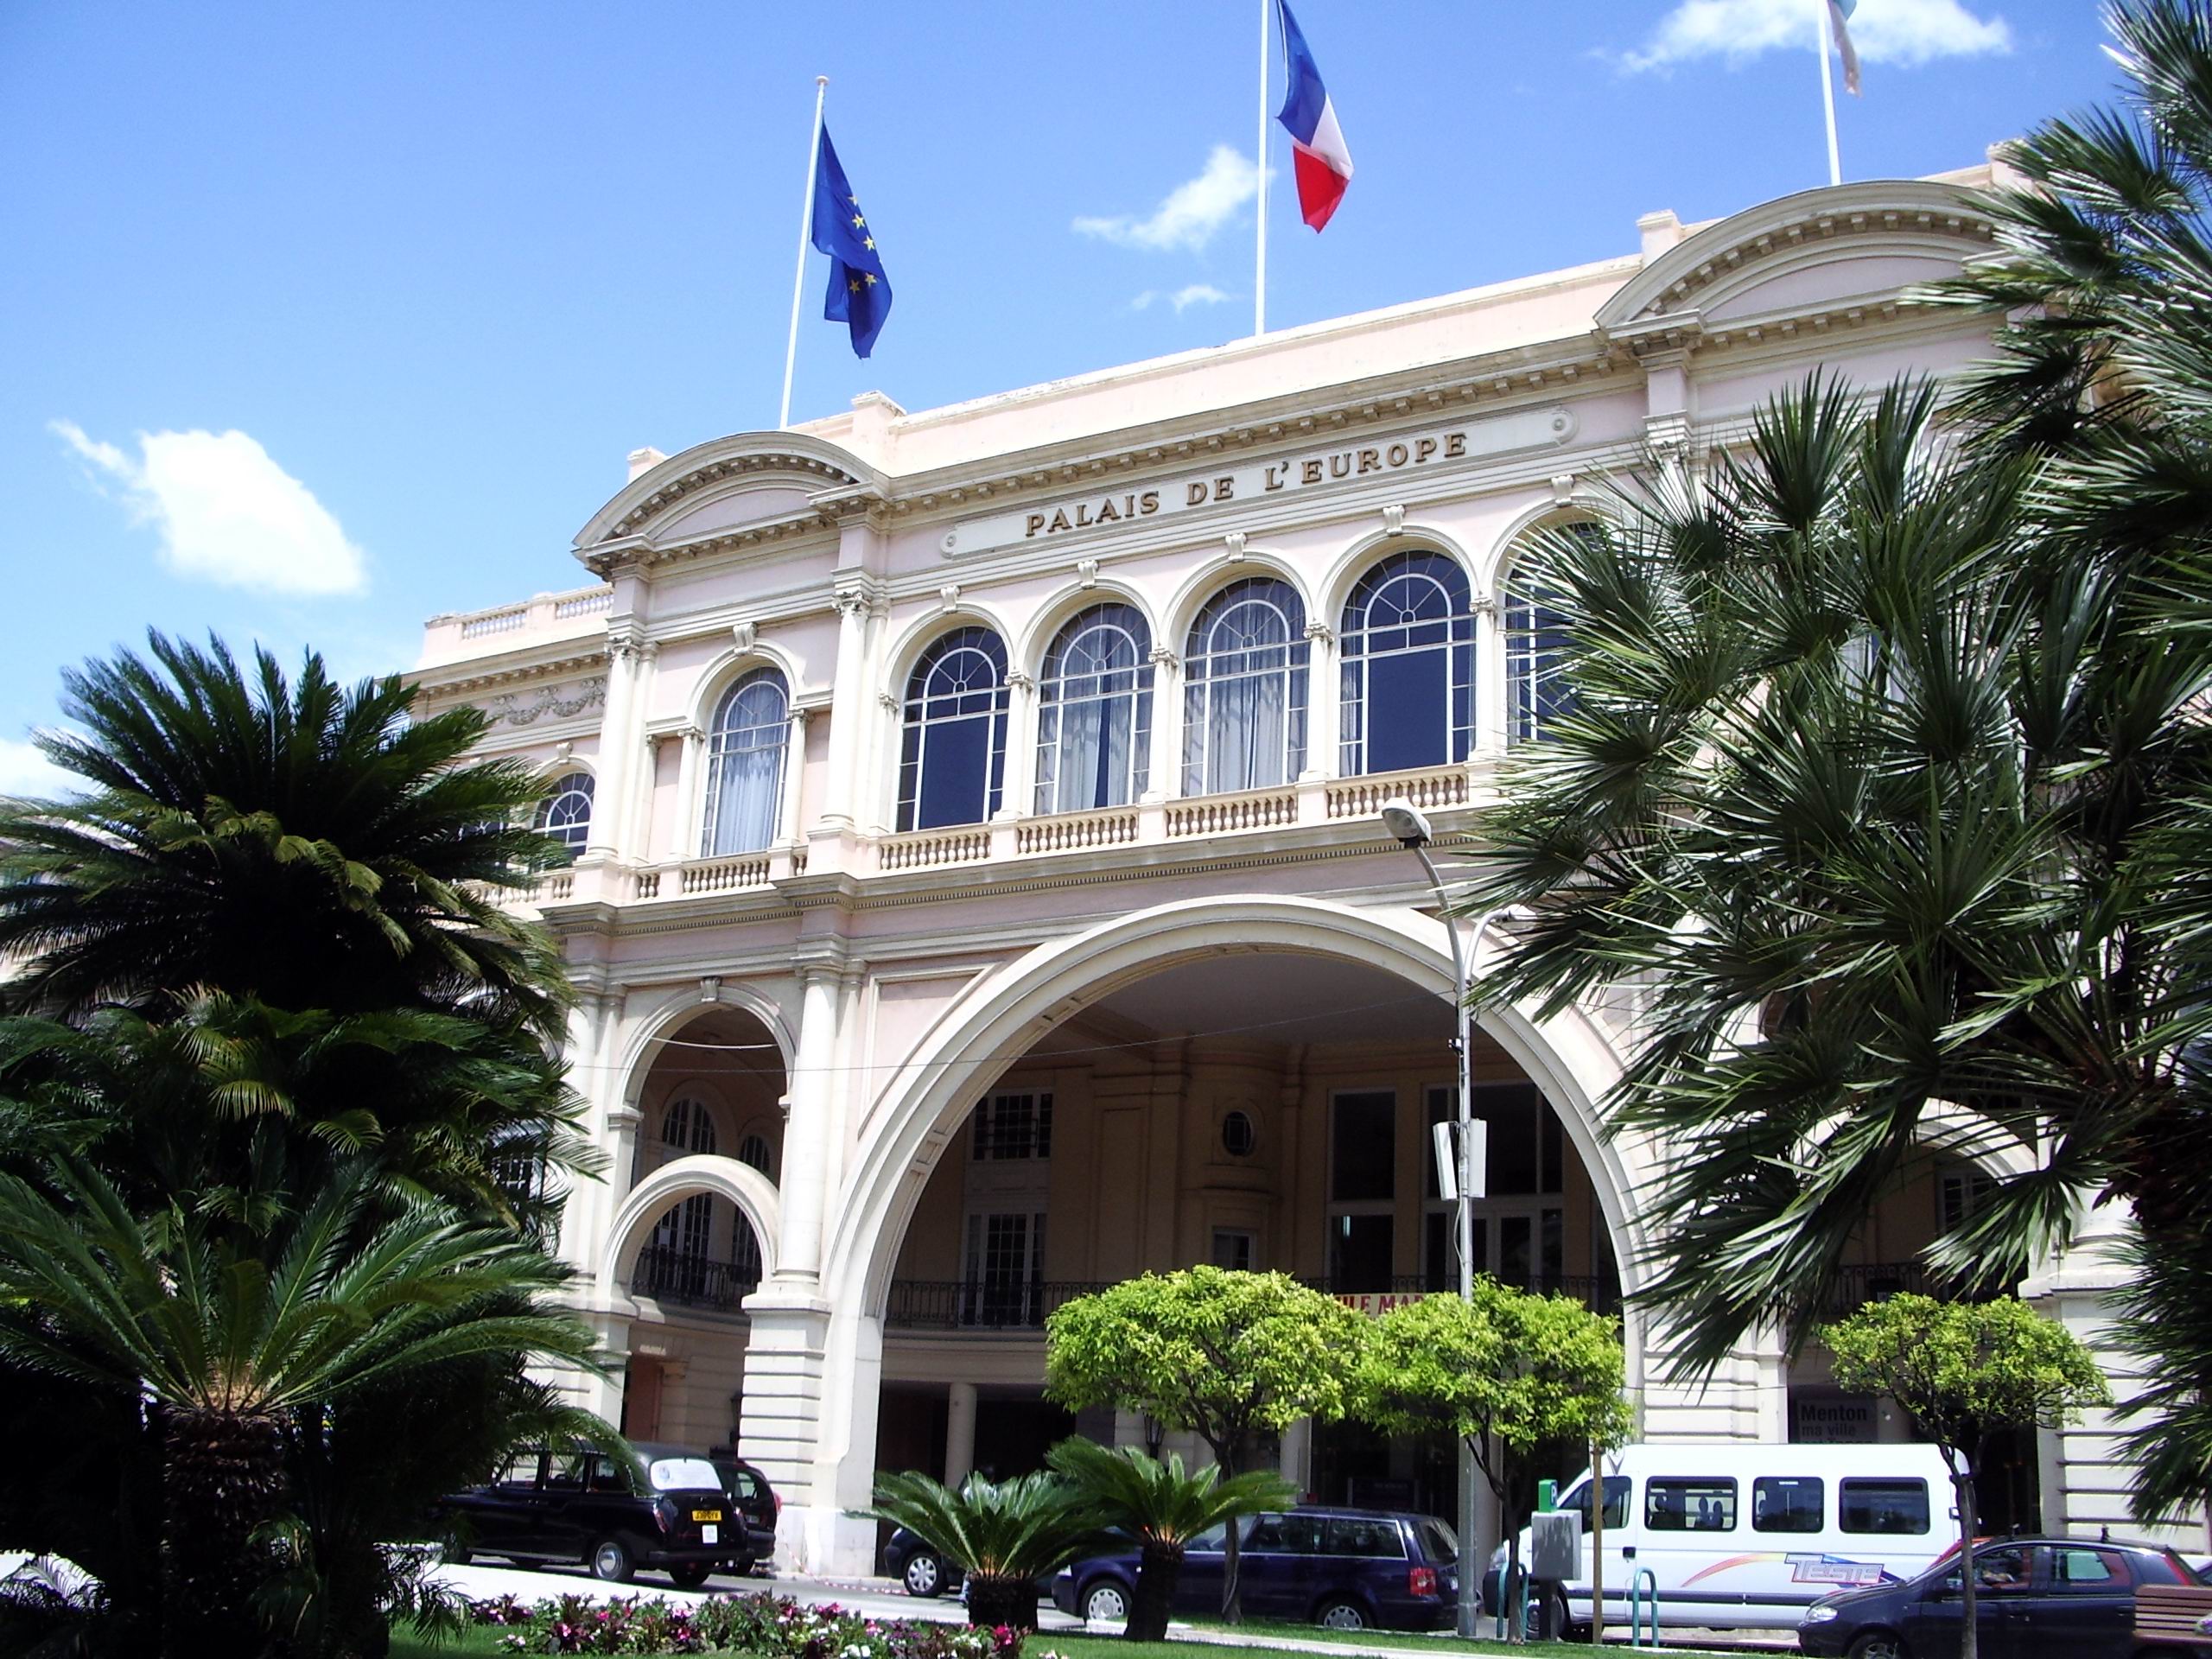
1166	760
1324	703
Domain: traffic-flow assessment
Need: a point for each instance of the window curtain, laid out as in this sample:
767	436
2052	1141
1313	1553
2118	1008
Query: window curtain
1093	759
1248	732
743	794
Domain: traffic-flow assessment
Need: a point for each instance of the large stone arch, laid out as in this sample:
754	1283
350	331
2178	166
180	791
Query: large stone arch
1002	1012
752	1192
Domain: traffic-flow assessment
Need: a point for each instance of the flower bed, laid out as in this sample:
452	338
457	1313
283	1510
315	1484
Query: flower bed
770	1627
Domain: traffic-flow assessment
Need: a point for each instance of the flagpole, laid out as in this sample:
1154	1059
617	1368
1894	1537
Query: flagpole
1828	86
1260	160
806	223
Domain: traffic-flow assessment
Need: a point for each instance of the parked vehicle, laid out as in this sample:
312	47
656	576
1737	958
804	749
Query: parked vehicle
752	1500
1744	1536
583	1507
2035	1598
1349	1569
916	1566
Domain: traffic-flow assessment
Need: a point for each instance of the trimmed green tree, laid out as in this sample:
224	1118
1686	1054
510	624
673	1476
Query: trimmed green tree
1224	1356
1506	1371
1163	1508
1966	1372
1004	1535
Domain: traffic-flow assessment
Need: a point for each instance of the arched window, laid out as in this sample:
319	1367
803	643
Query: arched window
745	765
1536	691
952	763
566	815
753	1150
1094	711
687	1128
1409	665
1244	689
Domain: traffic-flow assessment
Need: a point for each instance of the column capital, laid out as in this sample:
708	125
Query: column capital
1320	633
1161	656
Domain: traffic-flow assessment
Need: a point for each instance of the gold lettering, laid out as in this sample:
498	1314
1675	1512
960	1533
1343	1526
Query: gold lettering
1129	506
1423	450
1032	524
1194	493
1370	461
1397	454
1225	488
1148	502
1275	477
1108	512
1455	445
1309	471
1083	516
1059	520
1340	465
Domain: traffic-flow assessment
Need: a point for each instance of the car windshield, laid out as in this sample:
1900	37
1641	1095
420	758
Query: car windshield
1438	1542
683	1475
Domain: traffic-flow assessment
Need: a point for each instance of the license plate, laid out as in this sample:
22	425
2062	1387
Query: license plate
706	1515
711	1533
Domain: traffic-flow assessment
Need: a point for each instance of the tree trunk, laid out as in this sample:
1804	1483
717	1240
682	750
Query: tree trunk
1159	1569
1232	1592
1969	1620
995	1601
223	1475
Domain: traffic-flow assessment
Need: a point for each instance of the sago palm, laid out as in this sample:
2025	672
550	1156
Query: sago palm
1164	1509
1003	1535
290	839
229	1345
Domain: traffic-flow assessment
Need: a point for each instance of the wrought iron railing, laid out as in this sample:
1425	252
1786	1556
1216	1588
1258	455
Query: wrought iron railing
671	1275
964	1304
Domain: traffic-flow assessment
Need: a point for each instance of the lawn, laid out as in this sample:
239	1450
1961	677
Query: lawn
484	1640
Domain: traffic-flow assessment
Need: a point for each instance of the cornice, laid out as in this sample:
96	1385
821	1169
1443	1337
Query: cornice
481	674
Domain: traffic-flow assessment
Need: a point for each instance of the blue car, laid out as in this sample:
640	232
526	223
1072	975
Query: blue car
1349	1569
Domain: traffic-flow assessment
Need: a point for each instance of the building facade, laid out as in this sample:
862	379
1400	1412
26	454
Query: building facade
979	894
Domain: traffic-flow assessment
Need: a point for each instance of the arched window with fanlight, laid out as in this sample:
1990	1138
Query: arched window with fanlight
1094	711
753	1149
1408	661
952	756
566	813
1244	688
1536	689
745	765
683	1240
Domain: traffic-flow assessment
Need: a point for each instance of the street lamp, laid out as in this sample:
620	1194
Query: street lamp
1462	1173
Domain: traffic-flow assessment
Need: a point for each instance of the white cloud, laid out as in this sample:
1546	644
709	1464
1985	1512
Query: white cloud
1192	212
1905	32
25	771
226	512
1182	299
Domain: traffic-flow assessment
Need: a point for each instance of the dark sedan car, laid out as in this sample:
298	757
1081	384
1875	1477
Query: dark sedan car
754	1503
2035	1598
583	1507
1349	1569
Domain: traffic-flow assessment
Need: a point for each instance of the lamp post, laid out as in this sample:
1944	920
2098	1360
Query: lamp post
1468	1169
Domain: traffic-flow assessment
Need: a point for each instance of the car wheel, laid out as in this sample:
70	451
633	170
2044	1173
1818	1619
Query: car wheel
1105	1603
924	1574
687	1578
455	1554
1546	1620
1341	1616
611	1559
742	1567
1878	1644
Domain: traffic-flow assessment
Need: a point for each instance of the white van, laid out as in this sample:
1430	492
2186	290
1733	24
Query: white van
1740	1535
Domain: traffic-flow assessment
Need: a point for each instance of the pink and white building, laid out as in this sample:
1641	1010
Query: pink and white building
980	895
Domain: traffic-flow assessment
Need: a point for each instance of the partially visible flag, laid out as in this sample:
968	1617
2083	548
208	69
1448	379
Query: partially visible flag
1321	161
859	294
1838	10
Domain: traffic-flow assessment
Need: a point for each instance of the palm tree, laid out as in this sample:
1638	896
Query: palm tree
235	1349
1004	1535
1164	1510
296	841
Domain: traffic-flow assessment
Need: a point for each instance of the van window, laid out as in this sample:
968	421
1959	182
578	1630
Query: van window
1786	1504
1885	1506
1616	1502
1438	1542
1349	1535
1681	1504
1285	1535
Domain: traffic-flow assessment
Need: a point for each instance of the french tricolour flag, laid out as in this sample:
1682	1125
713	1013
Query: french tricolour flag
1323	164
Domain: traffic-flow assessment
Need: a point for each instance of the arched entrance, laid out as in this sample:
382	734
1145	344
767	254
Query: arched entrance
1185	1084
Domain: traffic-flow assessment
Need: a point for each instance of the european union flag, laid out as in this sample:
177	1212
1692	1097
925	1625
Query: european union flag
860	296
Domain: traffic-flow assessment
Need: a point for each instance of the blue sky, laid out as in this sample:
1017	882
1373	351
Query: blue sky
324	318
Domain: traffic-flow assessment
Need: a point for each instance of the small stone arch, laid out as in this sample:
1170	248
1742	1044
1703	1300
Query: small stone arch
1585	505
1370	550
925	630
733	664
1177	616
678	1008
713	1173
1046	621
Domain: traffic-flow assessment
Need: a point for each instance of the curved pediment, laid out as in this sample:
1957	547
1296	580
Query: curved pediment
1804	254
727	484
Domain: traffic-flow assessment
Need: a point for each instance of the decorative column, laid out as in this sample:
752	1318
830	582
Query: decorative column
1324	703
807	1130
960	1434
1017	799
637	800
617	751
1492	695
690	841
788	829
1167	764
848	709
